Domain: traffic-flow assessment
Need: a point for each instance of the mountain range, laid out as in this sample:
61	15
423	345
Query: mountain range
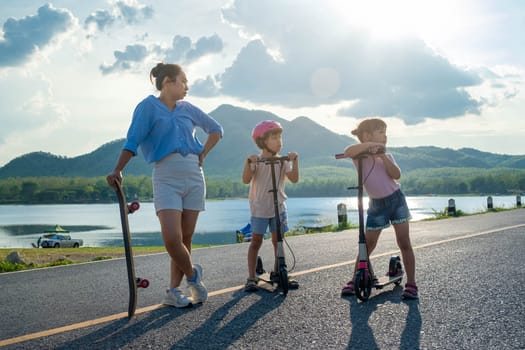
315	145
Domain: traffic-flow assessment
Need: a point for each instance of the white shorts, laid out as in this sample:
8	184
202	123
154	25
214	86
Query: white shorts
178	183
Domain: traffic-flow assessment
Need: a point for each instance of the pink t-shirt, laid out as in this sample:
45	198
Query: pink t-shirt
260	197
377	183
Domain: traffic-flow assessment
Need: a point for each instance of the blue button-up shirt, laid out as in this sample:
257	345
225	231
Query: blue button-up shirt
159	131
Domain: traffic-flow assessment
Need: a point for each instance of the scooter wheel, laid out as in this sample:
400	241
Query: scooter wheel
394	266
283	280
259	269
363	284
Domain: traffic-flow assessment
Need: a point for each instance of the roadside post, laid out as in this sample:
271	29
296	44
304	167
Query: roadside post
451	211
490	205
342	217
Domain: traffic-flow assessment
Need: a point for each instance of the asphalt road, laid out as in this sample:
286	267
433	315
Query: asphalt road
470	273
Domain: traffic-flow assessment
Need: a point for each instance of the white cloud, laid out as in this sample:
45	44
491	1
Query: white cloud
395	78
127	59
24	37
426	69
129	12
183	51
35	109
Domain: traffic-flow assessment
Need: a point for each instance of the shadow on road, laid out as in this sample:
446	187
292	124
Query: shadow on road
410	338
223	332
118	334
362	336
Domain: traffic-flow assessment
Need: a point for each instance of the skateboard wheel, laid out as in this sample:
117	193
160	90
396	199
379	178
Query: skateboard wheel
142	283
133	206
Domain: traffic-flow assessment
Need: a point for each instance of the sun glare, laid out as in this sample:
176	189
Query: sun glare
387	19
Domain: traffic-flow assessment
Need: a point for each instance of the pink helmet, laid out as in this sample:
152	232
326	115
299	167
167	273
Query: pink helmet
263	127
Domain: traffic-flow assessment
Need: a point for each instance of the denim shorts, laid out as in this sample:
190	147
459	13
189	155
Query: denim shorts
260	225
382	212
178	183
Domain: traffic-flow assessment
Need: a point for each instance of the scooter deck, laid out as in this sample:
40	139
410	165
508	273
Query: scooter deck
265	282
386	280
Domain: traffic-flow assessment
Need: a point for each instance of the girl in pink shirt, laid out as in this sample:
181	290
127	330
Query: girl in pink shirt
387	203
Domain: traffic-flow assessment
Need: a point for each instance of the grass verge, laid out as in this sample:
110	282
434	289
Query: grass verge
36	258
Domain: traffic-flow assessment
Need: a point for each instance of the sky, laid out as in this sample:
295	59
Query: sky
442	73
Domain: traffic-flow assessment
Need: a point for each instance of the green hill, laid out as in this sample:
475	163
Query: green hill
315	144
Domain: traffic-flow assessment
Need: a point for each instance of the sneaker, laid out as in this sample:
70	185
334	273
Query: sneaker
174	297
199	293
410	291
251	285
348	288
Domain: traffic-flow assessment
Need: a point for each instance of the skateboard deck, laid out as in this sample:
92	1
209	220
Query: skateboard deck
133	281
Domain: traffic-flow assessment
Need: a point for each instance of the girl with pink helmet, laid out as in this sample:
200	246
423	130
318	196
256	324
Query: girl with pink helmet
267	135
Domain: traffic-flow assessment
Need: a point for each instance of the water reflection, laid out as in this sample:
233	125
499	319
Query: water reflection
99	224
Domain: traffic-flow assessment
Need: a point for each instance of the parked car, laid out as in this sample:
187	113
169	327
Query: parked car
59	241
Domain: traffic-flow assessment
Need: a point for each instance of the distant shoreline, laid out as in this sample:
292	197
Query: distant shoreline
218	199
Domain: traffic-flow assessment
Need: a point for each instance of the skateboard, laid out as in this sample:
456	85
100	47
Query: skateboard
133	281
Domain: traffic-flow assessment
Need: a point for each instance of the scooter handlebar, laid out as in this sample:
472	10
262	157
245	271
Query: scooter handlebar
272	159
362	154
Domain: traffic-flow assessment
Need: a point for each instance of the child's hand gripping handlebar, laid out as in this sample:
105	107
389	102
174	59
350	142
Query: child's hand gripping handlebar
269	160
370	151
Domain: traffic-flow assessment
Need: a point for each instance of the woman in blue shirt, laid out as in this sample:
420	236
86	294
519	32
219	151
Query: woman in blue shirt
164	128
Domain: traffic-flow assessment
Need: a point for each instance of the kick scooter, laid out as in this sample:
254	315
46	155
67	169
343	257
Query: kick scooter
365	279
279	276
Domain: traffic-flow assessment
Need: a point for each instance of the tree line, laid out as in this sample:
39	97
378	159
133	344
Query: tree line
46	190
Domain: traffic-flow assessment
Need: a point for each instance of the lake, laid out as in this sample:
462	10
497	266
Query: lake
99	224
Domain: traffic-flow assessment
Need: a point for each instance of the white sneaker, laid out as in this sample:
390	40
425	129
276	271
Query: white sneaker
199	293
174	297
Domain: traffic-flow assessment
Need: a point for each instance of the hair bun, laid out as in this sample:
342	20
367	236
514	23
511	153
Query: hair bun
156	70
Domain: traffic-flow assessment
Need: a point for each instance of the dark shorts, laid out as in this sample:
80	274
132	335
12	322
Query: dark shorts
388	210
